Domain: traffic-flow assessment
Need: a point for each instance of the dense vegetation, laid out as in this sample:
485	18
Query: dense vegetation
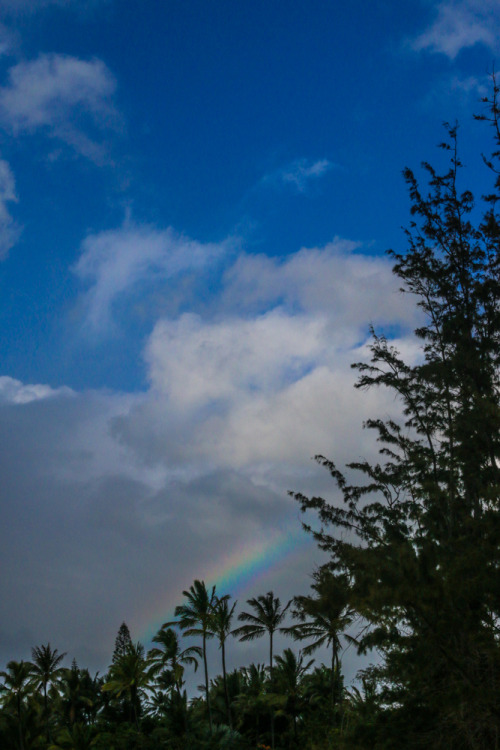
141	701
414	567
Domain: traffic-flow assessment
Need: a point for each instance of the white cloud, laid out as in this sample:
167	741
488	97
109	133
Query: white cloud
116	262
263	381
63	97
334	280
298	174
460	24
271	391
196	363
9	231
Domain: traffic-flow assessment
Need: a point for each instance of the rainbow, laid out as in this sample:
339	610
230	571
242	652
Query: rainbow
240	569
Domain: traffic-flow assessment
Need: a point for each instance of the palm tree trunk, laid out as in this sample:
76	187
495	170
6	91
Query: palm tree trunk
271	676
46	712
20	726
134	700
226	694
209	708
332	686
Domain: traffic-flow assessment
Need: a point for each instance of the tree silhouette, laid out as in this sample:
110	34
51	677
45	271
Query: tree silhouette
222	616
45	670
168	655
123	642
269	614
324	618
131	674
17	683
195	619
267	617
418	533
289	672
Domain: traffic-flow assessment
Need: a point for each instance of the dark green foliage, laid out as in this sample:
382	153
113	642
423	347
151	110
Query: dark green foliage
129	676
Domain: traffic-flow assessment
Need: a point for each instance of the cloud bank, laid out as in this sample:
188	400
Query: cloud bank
183	475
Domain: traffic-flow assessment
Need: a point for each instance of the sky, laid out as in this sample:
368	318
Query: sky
196	200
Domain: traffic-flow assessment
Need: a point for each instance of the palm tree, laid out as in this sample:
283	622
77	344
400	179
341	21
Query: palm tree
252	700
222	616
45	670
269	614
289	673
195	618
131	674
168	654
324	618
17	685
76	737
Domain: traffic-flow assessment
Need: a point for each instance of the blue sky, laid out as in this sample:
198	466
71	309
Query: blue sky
195	203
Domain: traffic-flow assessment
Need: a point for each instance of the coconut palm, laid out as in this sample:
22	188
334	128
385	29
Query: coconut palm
324	618
222	616
16	686
289	673
195	618
253	700
269	614
131	674
76	737
168	655
45	671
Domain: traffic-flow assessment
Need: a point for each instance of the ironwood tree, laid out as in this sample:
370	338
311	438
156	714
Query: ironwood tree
418	533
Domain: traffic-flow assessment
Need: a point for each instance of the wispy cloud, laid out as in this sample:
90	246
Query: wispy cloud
460	24
7	40
13	391
116	262
15	7
298	174
9	230
64	97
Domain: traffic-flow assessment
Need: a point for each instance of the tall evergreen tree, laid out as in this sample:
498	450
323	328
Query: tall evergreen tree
123	642
419	536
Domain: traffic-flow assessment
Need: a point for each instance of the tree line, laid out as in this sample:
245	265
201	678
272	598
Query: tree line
141	701
413	551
